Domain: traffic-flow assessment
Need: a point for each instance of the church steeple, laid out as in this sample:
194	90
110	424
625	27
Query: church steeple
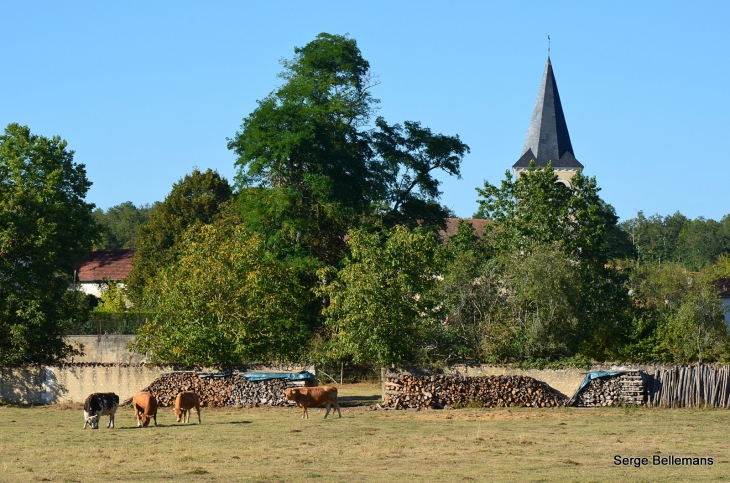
547	137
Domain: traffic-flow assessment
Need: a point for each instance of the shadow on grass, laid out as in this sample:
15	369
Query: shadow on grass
353	401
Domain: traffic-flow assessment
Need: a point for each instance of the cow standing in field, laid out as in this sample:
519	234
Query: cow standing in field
100	404
184	402
314	396
145	408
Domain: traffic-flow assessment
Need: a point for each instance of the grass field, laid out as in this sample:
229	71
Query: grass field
275	445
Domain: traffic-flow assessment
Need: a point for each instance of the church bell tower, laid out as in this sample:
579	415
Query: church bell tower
547	137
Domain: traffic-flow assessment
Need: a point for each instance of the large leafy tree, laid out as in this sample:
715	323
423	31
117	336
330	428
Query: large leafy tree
224	301
311	166
534	210
381	303
194	200
45	227
508	306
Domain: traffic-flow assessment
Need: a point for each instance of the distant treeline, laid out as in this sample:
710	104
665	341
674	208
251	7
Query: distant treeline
120	224
694	244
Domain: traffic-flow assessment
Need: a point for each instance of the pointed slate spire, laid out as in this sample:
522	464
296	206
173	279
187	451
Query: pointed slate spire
547	136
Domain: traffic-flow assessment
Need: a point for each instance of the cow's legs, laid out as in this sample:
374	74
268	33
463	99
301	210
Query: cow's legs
197	409
328	410
155	418
337	406
111	421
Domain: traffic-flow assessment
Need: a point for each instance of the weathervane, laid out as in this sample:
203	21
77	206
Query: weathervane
548	46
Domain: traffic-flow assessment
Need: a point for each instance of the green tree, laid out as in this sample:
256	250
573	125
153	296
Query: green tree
512	307
224	301
535	210
407	156
310	169
655	238
45	227
194	200
381	302
120	225
677	313
113	299
700	242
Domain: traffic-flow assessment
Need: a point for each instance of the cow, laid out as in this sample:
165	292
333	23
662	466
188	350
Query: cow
100	404
145	408
314	396
184	402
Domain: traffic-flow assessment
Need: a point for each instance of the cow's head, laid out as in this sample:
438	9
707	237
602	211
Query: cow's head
145	421
92	420
179	413
289	393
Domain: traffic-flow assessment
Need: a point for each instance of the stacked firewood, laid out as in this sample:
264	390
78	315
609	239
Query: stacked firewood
403	391
625	388
228	390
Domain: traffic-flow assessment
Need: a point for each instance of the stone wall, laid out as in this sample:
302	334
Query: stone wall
104	349
72	383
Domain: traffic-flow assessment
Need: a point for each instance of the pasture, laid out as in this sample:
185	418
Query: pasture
275	445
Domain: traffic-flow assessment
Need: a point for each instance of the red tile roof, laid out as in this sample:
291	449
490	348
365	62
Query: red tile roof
101	265
452	226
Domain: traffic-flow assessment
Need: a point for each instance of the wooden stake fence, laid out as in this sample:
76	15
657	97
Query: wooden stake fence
691	386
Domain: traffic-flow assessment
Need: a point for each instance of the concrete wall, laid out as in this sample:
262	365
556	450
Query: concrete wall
71	383
106	349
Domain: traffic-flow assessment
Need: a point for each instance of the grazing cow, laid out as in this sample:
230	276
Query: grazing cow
100	404
184	402
145	408
314	396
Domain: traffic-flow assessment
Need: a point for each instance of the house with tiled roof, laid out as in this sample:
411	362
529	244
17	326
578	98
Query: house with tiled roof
100	267
452	226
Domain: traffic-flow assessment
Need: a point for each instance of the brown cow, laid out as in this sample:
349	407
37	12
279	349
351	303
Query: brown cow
145	407
314	396
184	402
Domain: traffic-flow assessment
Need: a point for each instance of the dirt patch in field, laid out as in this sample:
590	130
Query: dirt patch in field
498	415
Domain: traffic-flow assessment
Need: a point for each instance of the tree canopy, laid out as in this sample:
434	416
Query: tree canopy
380	303
224	301
311	166
120	225
45	227
194	200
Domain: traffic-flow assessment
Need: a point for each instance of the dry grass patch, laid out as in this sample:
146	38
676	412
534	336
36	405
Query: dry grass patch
275	445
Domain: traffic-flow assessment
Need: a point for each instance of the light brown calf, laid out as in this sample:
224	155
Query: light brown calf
314	396
184	402
145	407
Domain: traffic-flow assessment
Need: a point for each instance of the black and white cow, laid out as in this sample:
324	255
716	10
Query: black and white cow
100	404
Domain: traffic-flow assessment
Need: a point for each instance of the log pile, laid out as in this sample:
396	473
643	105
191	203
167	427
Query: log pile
404	391
229	390
627	388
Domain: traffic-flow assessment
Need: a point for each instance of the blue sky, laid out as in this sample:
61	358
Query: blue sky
145	91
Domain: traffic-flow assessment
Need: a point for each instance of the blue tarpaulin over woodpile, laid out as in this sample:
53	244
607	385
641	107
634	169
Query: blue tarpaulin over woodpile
290	376
589	377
